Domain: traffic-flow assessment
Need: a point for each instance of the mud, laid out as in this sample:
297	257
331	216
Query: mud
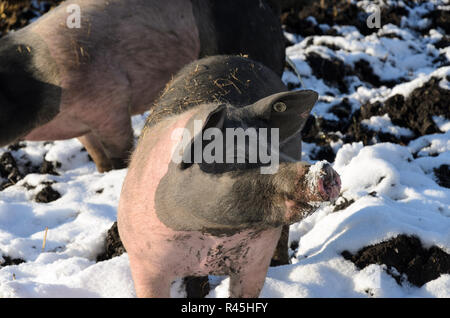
113	245
442	174
47	194
8	261
9	171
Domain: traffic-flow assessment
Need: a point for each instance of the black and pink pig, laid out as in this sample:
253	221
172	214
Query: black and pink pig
191	205
85	67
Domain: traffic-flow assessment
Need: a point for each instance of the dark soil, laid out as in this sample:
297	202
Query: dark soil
16	14
8	261
442	174
341	12
11	174
46	195
332	71
414	112
343	205
336	12
407	255
440	19
8	170
48	167
113	245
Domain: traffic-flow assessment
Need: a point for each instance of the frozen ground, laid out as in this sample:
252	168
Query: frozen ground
394	192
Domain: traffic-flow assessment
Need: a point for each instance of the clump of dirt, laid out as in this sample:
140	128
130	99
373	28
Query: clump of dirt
324	12
46	195
8	261
48	167
404	255
113	245
16	14
414	112
9	170
442	174
439	19
345	203
16	146
332	71
365	73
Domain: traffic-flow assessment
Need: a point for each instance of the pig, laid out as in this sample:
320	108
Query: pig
61	80
180	216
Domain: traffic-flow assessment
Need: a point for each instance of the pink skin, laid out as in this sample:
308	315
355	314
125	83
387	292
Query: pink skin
113	67
155	250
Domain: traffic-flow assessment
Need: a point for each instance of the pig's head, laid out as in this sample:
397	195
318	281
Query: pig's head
263	134
255	185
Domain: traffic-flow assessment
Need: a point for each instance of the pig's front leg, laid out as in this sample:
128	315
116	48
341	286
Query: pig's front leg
248	278
149	281
247	284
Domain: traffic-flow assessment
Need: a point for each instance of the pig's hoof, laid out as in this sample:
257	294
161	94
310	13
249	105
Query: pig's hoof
329	183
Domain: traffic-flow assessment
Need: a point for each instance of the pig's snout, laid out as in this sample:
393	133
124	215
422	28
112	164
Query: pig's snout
328	183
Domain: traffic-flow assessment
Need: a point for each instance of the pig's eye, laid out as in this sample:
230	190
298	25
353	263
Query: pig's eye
279	107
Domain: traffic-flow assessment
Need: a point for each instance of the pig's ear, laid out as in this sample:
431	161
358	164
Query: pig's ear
215	119
287	111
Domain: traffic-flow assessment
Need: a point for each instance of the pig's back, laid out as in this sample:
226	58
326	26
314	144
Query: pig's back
133	46
234	80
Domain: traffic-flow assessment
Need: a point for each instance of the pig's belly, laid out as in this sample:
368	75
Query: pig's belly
198	254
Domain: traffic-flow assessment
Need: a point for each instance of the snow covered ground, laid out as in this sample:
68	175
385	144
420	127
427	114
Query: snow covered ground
394	192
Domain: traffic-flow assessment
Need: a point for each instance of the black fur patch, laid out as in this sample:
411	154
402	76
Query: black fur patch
27	100
250	27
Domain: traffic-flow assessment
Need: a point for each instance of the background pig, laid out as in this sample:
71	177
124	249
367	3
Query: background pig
219	218
58	82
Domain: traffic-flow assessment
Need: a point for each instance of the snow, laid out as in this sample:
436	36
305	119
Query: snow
384	124
393	188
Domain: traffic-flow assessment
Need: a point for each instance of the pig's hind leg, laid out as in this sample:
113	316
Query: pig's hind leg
95	149
110	146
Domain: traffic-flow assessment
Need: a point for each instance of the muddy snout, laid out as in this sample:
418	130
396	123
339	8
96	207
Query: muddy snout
322	183
328	183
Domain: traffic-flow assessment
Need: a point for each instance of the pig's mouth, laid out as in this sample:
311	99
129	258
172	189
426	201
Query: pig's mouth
329	184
